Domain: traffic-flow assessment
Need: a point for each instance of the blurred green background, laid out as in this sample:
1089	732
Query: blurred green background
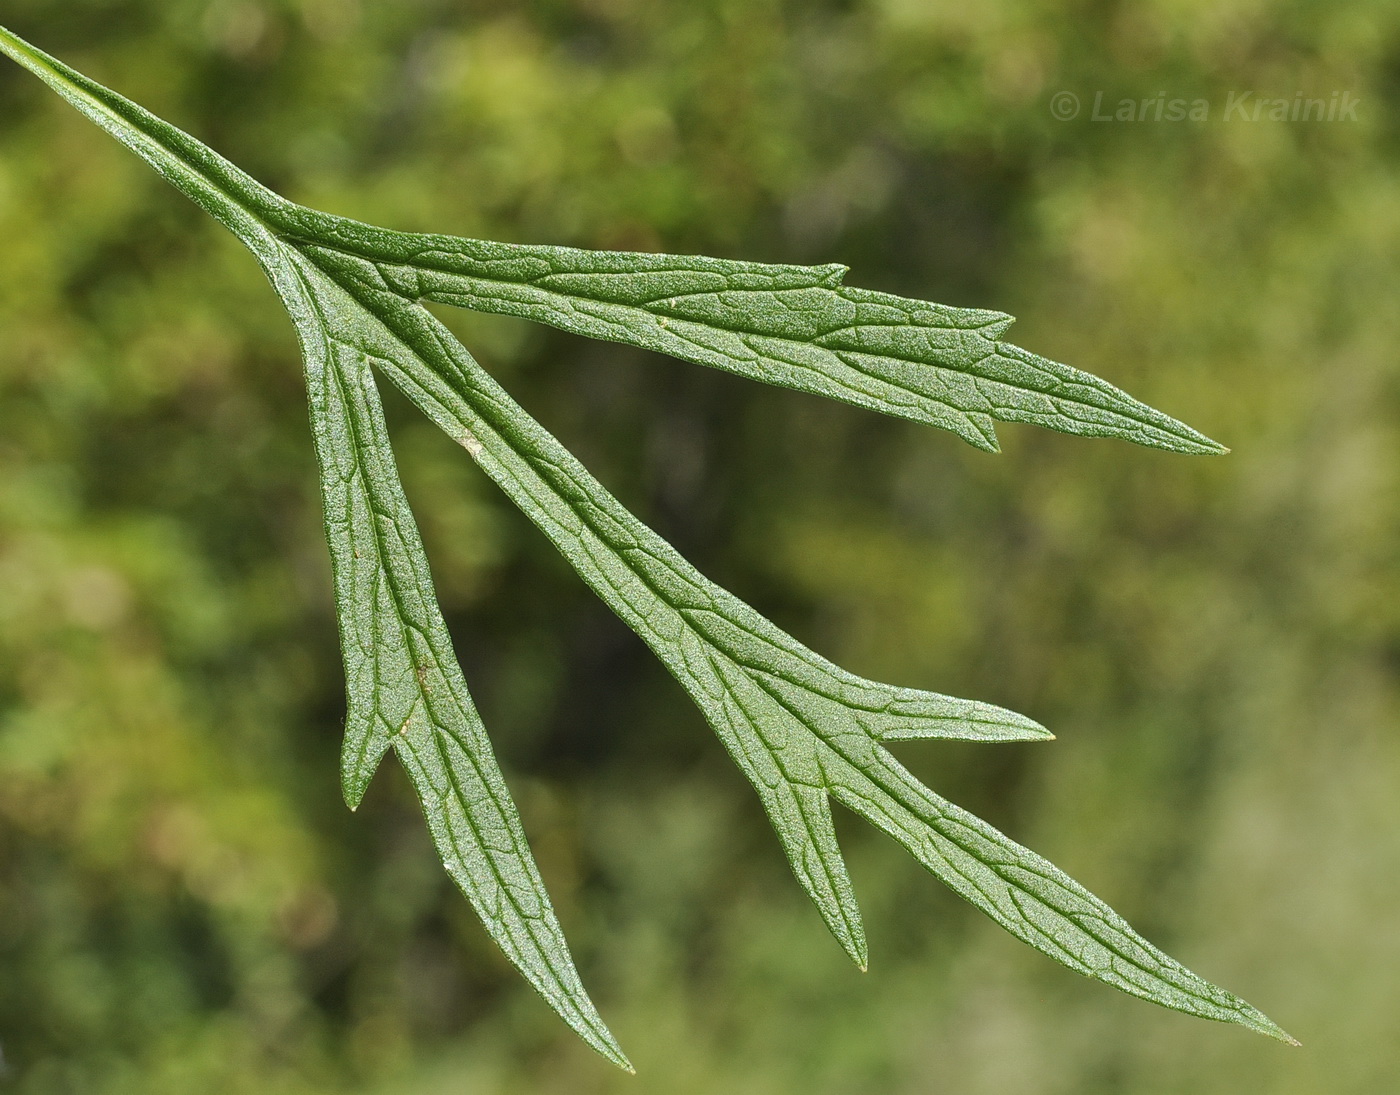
185	904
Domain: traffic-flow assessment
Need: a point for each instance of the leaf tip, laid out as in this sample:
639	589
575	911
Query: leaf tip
1181	437
354	782
1011	726
981	435
1264	1025
600	1039
851	937
998	327
1024	728
1273	1030
353	794
360	754
1249	1016
1201	445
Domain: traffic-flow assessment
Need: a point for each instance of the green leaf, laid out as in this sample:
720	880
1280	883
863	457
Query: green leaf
801	729
794	326
405	686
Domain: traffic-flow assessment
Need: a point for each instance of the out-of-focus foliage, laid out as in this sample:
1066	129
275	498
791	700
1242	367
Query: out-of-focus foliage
184	903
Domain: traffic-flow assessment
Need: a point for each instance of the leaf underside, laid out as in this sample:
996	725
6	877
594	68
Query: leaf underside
803	730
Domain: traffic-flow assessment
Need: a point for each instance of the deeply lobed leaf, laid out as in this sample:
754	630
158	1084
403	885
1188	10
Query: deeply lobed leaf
802	730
